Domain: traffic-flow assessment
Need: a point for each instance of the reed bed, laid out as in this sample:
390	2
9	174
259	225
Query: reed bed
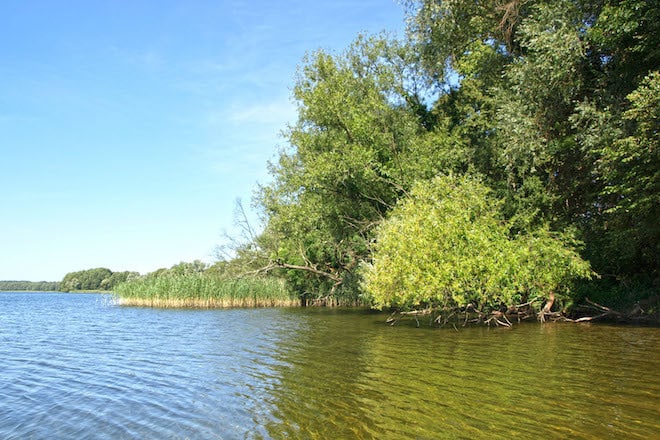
205	291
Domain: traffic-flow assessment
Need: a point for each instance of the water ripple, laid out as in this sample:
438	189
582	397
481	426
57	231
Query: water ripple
78	366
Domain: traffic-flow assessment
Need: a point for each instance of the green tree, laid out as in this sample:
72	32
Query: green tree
627	168
555	96
447	245
90	279
553	103
185	268
38	286
117	278
360	141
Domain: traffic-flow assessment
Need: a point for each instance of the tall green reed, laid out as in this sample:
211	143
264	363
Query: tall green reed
205	291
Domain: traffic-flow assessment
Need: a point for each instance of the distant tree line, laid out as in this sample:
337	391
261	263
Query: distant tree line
106	280
94	279
99	278
29	286
181	269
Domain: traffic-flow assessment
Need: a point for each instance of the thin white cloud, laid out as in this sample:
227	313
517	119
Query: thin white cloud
268	113
148	59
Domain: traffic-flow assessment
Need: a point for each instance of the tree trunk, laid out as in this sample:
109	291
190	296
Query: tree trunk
547	307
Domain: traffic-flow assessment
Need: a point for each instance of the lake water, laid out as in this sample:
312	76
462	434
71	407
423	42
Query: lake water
78	366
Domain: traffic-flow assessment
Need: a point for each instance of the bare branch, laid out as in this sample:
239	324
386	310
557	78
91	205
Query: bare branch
280	265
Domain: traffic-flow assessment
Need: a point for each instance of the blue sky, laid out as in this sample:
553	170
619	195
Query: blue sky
129	128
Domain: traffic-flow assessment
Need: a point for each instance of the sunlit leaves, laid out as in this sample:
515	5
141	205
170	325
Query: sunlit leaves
357	146
447	245
546	101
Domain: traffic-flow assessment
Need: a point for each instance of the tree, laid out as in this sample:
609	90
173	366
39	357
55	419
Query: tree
360	142
117	278
552	103
38	286
90	279
447	246
554	96
243	252
628	171
185	268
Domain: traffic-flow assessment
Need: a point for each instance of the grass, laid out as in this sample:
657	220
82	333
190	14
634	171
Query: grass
205	291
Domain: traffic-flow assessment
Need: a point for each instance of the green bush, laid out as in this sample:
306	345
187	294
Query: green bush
447	245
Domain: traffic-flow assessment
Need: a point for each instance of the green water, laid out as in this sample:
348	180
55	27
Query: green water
349	376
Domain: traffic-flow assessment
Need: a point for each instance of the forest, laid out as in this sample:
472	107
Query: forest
29	286
501	153
94	279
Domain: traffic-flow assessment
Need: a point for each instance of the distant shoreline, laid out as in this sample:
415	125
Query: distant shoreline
54	291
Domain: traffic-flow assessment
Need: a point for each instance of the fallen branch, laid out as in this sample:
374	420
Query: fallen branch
470	314
603	308
593	318
281	265
417	312
497	321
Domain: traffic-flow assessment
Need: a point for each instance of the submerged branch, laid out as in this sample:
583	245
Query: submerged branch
470	314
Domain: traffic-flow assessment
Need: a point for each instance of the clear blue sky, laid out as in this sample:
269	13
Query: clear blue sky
129	128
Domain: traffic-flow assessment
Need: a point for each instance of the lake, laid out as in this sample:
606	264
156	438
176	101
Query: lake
76	366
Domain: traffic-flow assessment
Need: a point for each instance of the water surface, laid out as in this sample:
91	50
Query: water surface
78	366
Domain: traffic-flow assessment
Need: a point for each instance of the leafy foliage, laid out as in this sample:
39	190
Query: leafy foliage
354	152
29	286
553	103
447	245
94	279
562	105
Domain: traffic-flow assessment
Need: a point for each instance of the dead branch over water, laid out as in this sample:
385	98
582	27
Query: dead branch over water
643	312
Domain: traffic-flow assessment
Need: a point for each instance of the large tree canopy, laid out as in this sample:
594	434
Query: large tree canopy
357	147
556	95
552	105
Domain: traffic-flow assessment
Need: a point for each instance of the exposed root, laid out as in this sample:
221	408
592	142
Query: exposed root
547	307
606	312
471	314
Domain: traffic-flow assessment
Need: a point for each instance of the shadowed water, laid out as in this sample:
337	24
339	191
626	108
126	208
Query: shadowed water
78	366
